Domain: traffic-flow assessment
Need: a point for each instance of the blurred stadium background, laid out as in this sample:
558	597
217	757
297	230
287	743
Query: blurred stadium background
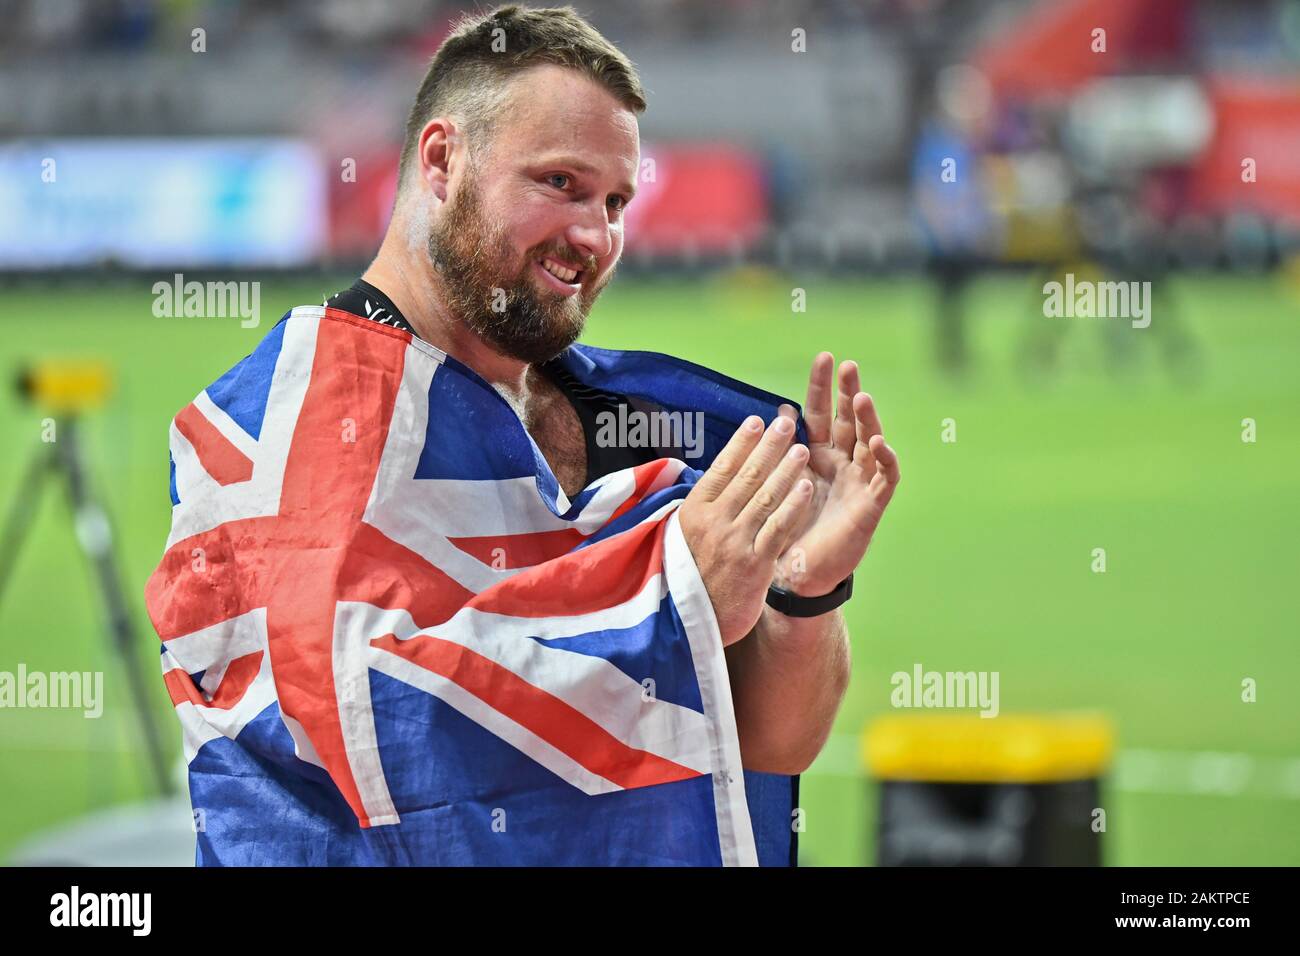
264	149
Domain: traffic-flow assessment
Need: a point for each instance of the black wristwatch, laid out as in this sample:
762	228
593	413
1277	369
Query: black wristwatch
796	605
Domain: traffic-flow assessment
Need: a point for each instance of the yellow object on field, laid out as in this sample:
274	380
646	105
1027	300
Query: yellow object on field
67	386
973	749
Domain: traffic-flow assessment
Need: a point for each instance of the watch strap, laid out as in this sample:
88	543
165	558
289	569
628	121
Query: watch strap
796	605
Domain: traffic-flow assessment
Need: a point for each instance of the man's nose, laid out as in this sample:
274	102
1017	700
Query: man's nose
590	233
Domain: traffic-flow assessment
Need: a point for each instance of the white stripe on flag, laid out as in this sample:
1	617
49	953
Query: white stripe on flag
205	504
492	720
735	830
202	723
590	685
219	644
351	659
229	428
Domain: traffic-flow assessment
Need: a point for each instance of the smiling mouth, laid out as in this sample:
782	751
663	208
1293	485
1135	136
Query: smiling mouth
569	275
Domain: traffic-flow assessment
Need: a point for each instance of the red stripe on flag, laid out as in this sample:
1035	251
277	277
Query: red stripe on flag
503	551
219	458
338	439
240	673
211	577
560	725
180	688
379	571
600	576
645	476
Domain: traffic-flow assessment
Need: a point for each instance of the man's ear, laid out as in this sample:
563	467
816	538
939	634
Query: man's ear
439	148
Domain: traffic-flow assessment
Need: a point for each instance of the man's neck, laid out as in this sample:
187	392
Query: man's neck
546	412
412	285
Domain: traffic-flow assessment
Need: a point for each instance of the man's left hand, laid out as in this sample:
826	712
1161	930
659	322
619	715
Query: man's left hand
854	474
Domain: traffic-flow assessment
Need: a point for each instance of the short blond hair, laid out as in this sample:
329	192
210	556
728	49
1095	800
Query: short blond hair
472	71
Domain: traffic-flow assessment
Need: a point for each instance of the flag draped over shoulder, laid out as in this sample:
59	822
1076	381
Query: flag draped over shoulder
391	638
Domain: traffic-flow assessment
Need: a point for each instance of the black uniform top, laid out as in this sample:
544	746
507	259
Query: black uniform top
367	301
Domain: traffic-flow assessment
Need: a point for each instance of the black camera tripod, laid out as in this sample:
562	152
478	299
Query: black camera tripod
63	459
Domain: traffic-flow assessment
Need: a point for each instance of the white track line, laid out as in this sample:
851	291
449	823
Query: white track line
1197	772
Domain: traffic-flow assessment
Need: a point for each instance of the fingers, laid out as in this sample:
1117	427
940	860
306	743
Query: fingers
844	429
866	507
718	475
867	424
779	529
817	413
886	460
774	490
757	466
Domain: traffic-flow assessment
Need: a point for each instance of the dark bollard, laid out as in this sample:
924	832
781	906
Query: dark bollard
1005	791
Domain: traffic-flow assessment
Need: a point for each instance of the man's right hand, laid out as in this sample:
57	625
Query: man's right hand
740	516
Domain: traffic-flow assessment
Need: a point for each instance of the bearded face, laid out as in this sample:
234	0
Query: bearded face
501	294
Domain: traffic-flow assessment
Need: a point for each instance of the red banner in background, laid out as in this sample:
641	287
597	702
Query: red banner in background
1255	119
360	207
709	197
706	197
1052	48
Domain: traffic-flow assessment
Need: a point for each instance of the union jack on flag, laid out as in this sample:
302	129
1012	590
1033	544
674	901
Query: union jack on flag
391	638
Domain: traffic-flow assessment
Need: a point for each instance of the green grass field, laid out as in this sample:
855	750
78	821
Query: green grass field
983	562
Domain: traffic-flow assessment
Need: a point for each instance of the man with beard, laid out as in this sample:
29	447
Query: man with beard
521	155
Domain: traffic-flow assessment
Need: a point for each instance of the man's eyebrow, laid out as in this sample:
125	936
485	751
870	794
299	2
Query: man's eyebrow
584	167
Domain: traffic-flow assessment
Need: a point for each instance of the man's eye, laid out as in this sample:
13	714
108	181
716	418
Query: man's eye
621	201
554	176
